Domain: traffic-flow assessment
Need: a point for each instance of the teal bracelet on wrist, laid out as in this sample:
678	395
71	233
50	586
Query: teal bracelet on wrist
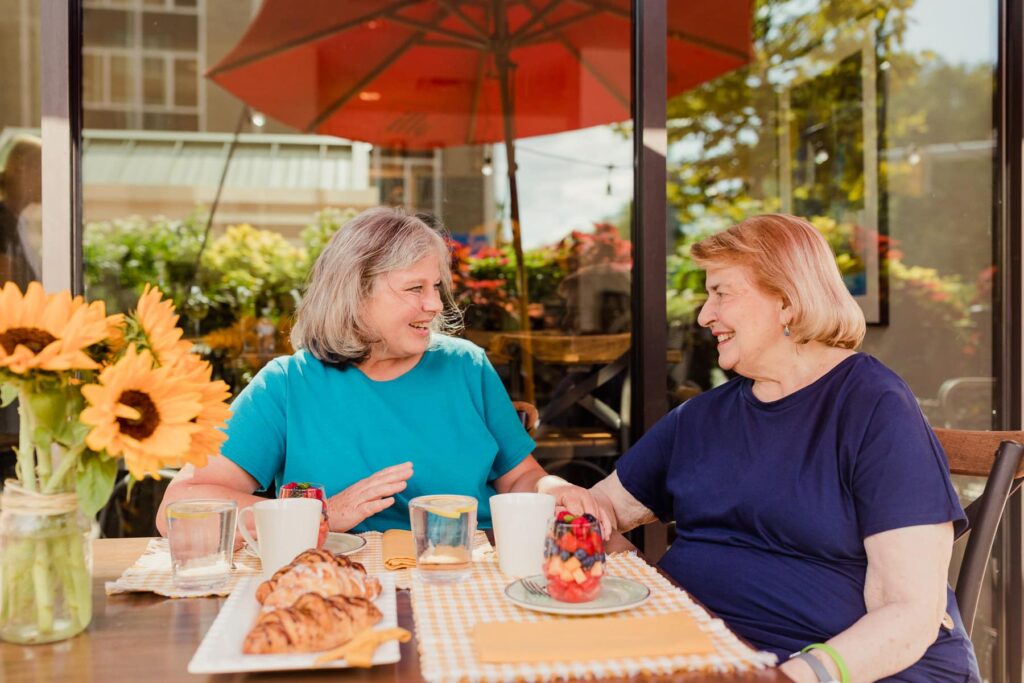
844	673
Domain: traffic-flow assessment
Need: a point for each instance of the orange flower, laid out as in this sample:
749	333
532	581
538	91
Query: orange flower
214	413
142	413
157	320
51	332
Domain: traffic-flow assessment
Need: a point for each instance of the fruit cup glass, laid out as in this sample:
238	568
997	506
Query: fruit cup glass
305	489
574	558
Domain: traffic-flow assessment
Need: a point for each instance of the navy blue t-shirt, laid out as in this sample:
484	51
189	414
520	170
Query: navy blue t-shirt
772	502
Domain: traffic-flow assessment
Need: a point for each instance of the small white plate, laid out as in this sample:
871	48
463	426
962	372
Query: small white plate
221	649
617	594
337	542
343	544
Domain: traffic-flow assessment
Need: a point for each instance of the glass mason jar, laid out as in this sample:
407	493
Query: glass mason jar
45	567
574	558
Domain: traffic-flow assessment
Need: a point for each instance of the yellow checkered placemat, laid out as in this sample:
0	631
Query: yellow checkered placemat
151	573
445	615
371	557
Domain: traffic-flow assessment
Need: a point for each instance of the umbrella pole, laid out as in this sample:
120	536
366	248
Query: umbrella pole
521	282
526	346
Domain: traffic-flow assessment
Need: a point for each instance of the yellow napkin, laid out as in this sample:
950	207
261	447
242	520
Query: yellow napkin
359	651
583	638
398	549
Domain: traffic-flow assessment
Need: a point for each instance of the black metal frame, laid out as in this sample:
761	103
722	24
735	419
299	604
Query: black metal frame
650	140
1009	112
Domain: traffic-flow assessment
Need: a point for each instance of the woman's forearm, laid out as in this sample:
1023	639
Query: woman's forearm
881	643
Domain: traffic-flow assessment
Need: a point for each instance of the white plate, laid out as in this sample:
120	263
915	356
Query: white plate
221	649
617	594
337	542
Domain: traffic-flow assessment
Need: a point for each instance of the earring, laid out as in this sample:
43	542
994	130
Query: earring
785	330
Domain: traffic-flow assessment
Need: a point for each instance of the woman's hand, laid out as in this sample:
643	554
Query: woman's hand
367	497
578	501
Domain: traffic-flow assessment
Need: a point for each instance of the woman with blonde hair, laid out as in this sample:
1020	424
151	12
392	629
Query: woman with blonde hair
813	507
378	404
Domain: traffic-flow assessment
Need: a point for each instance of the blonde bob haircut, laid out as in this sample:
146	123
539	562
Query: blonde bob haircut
789	258
329	322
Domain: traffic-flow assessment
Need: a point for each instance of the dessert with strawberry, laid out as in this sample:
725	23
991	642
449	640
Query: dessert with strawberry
574	558
304	489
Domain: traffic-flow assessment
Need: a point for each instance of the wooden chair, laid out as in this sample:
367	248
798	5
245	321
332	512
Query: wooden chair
528	414
997	456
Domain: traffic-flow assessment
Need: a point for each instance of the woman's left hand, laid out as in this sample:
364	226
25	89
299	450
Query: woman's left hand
578	501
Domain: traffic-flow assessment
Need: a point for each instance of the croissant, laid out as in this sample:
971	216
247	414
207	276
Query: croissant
322	578
313	623
311	556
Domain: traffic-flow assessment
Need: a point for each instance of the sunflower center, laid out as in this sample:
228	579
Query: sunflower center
149	417
32	337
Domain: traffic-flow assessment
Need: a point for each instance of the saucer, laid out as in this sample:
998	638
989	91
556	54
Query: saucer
337	542
617	594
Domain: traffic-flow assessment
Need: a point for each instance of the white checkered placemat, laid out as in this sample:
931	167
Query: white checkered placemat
151	573
445	615
370	556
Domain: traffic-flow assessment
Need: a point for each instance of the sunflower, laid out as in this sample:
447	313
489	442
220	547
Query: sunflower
40	331
195	373
142	413
157	320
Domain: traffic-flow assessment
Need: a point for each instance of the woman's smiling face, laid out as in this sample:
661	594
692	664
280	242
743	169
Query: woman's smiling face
747	322
403	304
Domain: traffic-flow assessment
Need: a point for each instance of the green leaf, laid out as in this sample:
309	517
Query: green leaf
8	392
94	481
72	432
42	438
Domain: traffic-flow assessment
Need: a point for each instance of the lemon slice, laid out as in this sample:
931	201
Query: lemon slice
452	509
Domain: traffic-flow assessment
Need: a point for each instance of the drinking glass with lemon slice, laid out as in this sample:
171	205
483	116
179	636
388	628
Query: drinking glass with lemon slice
443	528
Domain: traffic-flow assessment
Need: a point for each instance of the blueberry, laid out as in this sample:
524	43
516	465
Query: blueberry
590	518
564	555
588	562
580	554
598	557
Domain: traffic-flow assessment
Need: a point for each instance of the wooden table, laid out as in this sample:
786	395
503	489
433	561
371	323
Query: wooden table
145	637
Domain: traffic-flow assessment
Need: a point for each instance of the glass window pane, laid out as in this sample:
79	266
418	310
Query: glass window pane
92	79
109	27
286	191
877	127
169	31
154	76
185	89
122	79
21	235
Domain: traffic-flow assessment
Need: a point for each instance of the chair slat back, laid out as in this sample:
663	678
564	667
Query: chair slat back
972	453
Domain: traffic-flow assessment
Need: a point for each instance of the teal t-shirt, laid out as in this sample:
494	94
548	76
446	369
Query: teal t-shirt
302	420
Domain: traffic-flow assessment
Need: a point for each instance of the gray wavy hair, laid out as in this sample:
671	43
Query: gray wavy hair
329	322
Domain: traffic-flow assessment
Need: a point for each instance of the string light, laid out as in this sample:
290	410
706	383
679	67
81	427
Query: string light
487	169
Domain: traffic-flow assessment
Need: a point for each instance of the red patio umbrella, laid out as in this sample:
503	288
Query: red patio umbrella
423	74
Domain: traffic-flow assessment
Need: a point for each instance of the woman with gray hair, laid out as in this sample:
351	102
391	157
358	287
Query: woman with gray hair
378	403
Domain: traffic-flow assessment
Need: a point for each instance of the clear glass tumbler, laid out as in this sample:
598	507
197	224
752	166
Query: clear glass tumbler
443	528
201	536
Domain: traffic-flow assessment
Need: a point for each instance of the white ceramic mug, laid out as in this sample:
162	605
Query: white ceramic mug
521	522
285	528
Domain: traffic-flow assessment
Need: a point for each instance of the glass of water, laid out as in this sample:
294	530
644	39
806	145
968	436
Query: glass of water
201	536
443	528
